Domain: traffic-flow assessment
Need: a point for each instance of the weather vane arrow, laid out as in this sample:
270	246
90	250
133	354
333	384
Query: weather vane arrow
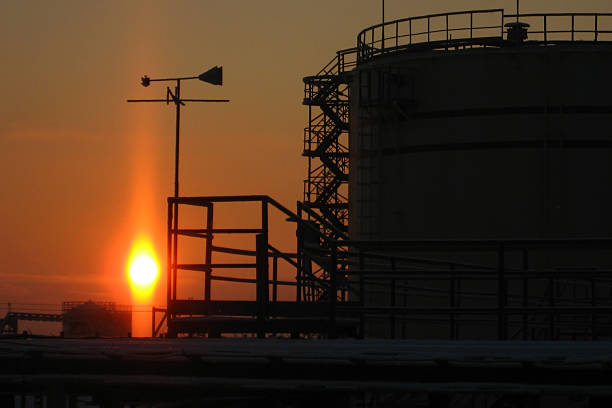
213	76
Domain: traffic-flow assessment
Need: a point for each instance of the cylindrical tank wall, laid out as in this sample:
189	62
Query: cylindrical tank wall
484	143
493	143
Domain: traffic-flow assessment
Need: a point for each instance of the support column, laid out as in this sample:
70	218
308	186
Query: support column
262	295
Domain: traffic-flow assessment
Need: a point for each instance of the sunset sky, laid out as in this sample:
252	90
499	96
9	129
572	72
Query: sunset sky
84	174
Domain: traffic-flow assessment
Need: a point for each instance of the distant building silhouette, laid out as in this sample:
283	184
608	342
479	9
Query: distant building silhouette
96	319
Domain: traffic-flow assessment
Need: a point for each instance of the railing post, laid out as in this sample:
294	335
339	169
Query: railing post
525	294
372	44
299	260
208	255
573	18
169	256
171	264
362	295
262	272
333	289
396	34
453	320
174	249
545	31
428	29
153	322
501	294
264	222
447	32
360	48
393	305
596	28
410	31
551	304
593	313
261	250
275	278
472	25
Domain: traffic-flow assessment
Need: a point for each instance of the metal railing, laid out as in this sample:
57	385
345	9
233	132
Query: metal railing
434	30
344	61
529	289
239	263
525	289
566	27
478	28
108	306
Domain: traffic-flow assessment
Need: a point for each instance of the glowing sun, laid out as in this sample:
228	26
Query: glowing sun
143	270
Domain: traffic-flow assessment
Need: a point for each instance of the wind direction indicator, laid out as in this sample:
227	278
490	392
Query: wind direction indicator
213	76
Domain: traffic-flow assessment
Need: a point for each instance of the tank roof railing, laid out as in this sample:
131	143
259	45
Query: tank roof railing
434	30
567	27
478	28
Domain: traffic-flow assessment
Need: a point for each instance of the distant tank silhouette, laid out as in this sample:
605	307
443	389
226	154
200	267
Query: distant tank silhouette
96	319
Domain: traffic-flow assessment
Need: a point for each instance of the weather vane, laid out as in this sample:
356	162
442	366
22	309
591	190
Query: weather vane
213	76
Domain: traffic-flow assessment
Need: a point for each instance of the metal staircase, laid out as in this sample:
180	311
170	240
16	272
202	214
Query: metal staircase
326	143
325	203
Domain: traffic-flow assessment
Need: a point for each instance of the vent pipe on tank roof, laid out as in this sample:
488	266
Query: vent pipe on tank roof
517	32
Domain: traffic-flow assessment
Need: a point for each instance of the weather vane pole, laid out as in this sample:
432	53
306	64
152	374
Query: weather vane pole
212	76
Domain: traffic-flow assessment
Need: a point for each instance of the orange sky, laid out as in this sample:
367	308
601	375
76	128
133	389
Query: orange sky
84	173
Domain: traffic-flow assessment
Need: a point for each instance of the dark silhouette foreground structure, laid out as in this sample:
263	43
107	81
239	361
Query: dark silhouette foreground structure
298	373
457	193
466	197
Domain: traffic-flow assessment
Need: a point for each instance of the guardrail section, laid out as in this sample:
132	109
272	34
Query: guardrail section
479	28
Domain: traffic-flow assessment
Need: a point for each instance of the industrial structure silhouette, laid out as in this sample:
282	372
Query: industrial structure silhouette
452	191
457	193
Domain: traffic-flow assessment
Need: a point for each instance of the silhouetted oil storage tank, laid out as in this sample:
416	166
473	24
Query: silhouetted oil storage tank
481	139
96	319
475	126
